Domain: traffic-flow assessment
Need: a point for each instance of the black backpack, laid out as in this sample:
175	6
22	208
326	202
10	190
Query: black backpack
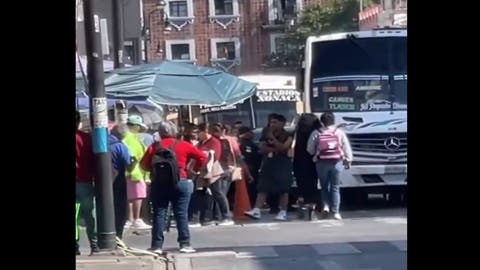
165	171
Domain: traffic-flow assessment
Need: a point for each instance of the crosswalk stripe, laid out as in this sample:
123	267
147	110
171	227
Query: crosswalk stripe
255	252
392	220
335	248
330	265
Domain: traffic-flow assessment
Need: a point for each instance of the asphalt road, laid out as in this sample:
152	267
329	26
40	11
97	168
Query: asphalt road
370	237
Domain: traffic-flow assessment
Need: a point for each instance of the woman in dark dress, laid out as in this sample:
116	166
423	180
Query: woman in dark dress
276	170
303	166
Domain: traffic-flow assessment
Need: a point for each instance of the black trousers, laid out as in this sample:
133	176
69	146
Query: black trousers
120	203
203	205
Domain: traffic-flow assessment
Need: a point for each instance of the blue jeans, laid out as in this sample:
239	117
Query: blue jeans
329	174
179	197
85	195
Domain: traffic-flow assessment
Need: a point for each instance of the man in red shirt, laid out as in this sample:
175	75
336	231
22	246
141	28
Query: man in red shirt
178	196
209	141
84	189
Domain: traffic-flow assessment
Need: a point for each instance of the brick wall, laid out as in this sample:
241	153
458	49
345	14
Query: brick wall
254	40
247	29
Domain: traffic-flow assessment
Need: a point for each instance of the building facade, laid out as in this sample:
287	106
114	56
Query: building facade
237	36
132	30
390	13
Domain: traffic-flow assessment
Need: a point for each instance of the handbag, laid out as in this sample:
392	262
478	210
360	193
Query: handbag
236	172
216	173
212	171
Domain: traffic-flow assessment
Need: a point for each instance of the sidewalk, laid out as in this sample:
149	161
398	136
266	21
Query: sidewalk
110	262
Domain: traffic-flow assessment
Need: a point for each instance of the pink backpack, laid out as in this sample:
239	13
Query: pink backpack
328	146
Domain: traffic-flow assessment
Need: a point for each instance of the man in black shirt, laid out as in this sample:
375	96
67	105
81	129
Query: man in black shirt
252	157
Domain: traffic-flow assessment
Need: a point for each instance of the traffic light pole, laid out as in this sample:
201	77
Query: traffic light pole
99	118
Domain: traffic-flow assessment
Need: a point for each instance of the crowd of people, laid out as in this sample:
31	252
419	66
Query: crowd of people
189	171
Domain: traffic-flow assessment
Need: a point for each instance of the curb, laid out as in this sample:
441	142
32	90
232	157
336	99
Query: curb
132	263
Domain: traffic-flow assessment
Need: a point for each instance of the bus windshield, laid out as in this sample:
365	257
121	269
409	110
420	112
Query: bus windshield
352	75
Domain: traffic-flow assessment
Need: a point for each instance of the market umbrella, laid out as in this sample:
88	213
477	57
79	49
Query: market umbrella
172	83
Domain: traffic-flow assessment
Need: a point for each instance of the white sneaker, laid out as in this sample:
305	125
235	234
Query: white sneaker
187	249
127	225
282	215
325	212
226	222
337	216
254	213
139	224
158	251
194	225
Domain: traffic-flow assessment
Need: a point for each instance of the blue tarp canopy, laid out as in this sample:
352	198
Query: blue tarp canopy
172	83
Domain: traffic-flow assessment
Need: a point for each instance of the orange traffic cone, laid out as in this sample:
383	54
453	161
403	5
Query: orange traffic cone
242	201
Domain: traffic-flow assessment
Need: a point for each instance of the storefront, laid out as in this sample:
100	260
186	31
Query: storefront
275	94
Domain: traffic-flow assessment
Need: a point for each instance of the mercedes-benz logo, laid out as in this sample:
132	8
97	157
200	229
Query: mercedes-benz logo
392	143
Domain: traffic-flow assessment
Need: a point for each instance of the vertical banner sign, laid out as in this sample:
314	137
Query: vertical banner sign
100	124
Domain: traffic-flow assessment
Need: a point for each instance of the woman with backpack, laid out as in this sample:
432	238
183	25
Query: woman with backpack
332	154
167	161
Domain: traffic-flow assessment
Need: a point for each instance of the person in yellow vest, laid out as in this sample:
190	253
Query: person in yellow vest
136	179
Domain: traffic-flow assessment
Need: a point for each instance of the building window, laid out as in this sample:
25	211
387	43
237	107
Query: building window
281	44
225	53
224	7
225	48
223	12
180	13
277	43
178	9
280	10
284	51
180	50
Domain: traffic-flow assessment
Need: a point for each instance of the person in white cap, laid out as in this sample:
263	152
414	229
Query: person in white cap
137	178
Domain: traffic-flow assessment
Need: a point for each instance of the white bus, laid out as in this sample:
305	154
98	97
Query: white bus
362	78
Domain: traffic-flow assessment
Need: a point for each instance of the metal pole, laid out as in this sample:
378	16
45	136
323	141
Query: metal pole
361	5
190	114
137	46
146	34
252	113
117	10
180	116
99	118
